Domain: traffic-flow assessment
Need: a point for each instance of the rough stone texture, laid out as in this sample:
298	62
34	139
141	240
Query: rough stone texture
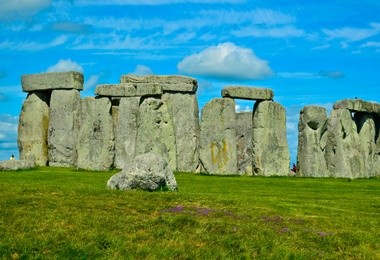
96	137
126	131
249	93
270	147
349	147
147	172
185	114
33	128
312	142
168	83
14	165
128	90
217	148
244	142
358	105
50	81
155	131
63	127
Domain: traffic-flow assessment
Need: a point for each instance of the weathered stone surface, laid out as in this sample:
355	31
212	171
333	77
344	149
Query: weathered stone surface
358	105
49	81
349	149
126	131
33	128
168	83
312	142
270	147
63	127
129	90
250	93
95	144
147	172
15	165
185	114
217	148
244	142
155	132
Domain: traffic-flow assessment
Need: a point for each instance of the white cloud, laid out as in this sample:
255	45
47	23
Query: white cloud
352	34
32	46
312	75
142	70
91	82
370	45
226	61
271	32
21	9
65	65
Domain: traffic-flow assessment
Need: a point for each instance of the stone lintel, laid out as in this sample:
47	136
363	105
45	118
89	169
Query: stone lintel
128	90
53	80
249	93
358	105
169	83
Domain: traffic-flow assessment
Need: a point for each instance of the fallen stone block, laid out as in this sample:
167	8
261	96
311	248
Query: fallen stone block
54	80
248	93
15	165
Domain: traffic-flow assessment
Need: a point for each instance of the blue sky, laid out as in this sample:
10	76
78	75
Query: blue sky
308	52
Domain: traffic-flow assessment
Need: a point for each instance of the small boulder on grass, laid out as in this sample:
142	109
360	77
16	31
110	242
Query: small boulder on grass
15	165
147	172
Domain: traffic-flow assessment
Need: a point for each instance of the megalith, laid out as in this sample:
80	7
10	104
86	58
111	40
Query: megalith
95	144
63	127
53	80
33	128
155	130
126	131
217	147
247	93
244	142
270	147
312	134
185	114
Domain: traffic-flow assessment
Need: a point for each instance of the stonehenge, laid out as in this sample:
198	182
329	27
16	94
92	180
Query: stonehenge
159	114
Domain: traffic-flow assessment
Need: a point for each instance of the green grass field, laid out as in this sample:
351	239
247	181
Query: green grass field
57	213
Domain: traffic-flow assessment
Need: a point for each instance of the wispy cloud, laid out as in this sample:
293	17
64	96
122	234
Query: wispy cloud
226	61
32	45
311	75
142	70
351	34
154	2
21	9
272	32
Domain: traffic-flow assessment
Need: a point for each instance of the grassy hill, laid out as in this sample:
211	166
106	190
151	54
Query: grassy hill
59	213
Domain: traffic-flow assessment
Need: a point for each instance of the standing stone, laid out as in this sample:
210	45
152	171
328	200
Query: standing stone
96	137
33	128
270	147
311	142
244	142
184	109
126	131
63	127
376	159
156	130
217	148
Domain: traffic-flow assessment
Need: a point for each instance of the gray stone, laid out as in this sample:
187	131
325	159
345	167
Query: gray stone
156	130
217	148
244	142
63	127
126	131
128	90
33	128
270	147
311	142
249	93
50	81
96	147
358	105
185	114
147	172
168	83
15	165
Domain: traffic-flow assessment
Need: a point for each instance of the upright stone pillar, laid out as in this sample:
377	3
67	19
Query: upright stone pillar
63	127
95	146
33	128
244	142
217	148
270	147
312	142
